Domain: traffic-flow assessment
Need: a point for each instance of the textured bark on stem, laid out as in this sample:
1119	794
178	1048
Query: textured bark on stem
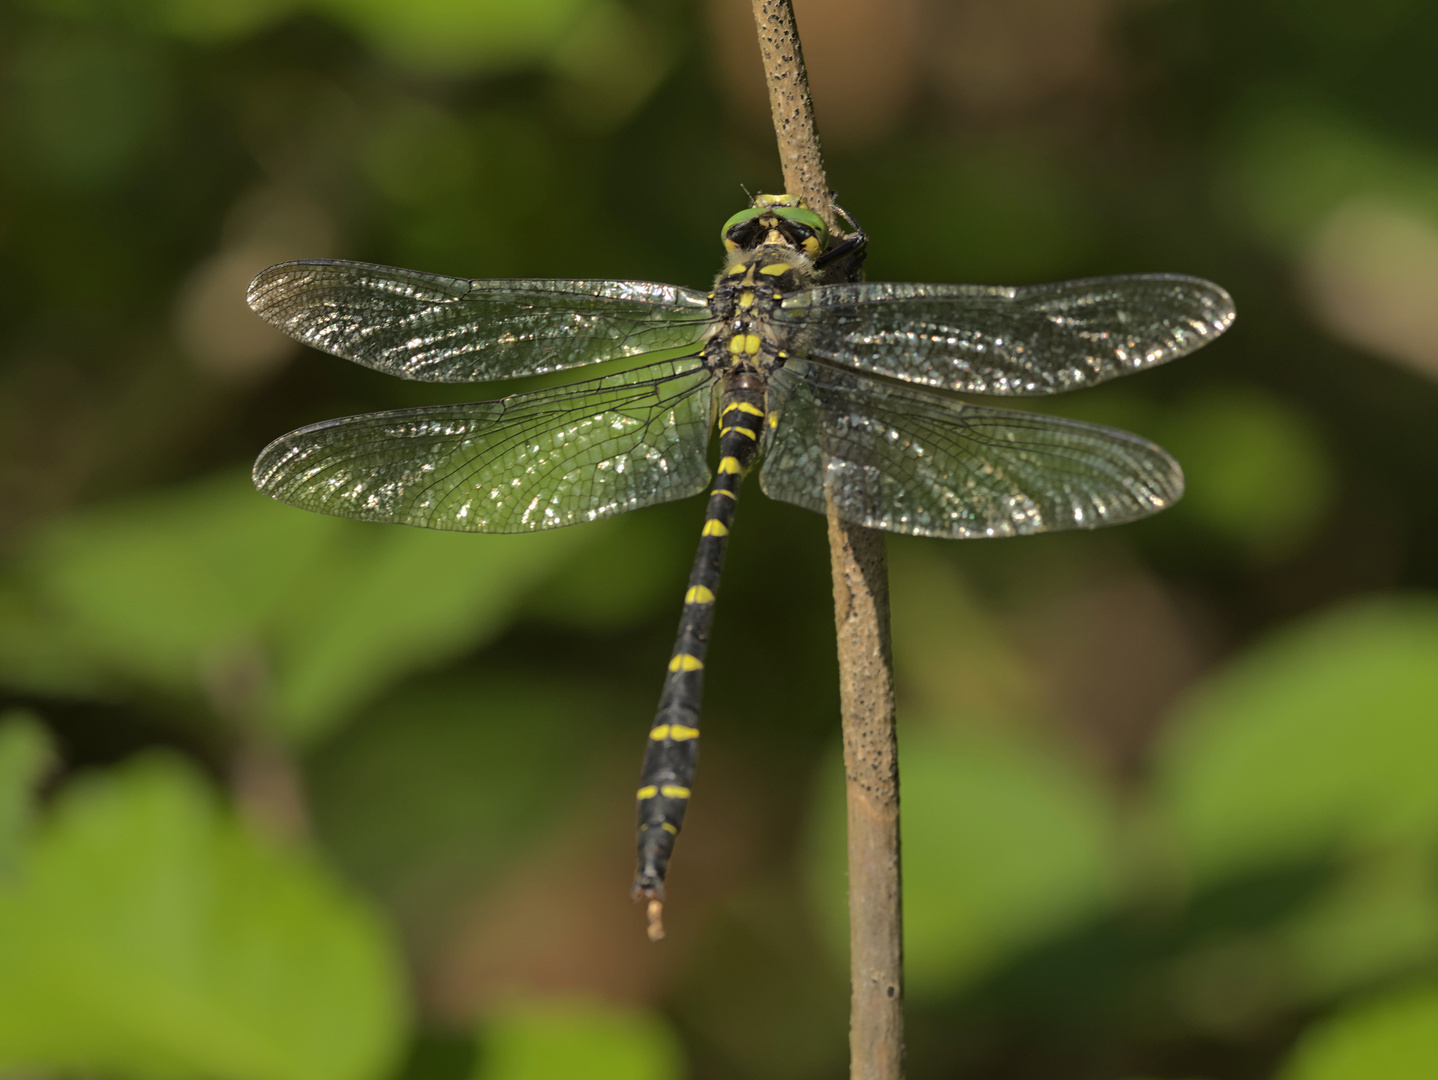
861	615
871	784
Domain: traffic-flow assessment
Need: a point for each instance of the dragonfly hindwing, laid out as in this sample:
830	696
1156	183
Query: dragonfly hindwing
910	461
555	457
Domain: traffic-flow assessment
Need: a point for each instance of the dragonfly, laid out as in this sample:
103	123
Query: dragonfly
841	392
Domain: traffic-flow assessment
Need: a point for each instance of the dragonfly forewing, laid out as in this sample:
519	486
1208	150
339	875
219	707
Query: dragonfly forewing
992	339
434	328
910	461
531	461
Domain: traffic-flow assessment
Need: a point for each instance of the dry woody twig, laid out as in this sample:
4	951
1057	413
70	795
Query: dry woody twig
861	613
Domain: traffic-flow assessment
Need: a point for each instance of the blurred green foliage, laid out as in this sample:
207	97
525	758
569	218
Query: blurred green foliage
1004	844
1320	741
285	796
1395	1036
25	754
286	620
1294	160
1261	479
532	1041
151	936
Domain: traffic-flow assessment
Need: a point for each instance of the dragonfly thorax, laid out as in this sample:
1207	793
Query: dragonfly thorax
768	267
747	293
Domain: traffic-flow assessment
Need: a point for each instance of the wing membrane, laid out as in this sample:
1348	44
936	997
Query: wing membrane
526	462
444	329
991	339
911	461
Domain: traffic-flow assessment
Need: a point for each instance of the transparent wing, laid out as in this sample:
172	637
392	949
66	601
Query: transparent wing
443	329
526	462
992	339
911	461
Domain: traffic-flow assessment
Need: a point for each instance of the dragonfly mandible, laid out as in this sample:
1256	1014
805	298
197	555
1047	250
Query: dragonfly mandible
839	391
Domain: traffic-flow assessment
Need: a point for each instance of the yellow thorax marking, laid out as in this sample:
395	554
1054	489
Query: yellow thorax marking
774	269
684	662
773	419
746	299
740	269
736	344
714	527
647	792
674	791
730	465
751	344
698	594
744	407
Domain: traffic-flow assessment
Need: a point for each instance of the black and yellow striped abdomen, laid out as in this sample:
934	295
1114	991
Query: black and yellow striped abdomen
673	751
745	349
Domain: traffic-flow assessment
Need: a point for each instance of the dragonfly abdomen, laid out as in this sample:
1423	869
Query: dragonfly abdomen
673	751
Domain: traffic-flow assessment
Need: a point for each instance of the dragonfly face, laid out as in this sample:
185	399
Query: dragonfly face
784	362
776	220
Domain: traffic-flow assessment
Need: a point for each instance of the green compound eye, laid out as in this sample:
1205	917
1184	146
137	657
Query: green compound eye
741	218
806	228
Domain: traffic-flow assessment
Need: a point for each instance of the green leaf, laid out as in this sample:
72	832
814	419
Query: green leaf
292	619
628	573
152	937
26	753
1257	474
567	1040
1004	845
1393	1038
1318	740
1293	160
85	106
155	588
195	20
394	601
446	35
952	655
1381	918
460	35
1034	222
470	769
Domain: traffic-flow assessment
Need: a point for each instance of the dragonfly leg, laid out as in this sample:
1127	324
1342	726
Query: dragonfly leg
852	248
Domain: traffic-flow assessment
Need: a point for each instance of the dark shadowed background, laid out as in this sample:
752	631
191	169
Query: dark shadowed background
291	798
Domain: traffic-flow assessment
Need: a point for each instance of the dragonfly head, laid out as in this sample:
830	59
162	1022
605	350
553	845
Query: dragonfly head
777	221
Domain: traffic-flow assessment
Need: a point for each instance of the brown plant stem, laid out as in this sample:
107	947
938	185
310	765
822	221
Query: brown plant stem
861	615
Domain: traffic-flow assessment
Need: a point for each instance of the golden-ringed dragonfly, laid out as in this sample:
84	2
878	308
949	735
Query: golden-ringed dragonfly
838	390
